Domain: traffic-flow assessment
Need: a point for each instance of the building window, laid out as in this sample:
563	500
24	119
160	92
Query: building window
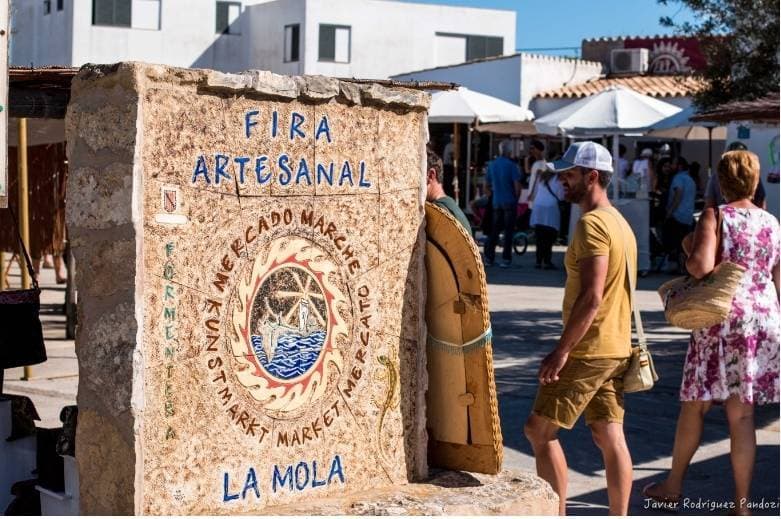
60	5
228	17
478	47
292	39
334	43
111	12
47	6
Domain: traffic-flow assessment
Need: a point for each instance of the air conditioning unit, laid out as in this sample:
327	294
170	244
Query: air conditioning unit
628	61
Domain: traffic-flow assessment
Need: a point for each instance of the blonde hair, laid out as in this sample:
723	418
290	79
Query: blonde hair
738	175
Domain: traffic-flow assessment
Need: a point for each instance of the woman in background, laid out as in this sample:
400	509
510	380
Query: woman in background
734	363
546	217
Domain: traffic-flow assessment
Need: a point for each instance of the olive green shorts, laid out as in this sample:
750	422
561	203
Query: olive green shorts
595	386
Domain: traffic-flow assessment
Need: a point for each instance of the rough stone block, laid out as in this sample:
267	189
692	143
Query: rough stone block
238	345
446	493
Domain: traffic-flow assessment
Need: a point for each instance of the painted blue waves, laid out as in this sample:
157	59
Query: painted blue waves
294	354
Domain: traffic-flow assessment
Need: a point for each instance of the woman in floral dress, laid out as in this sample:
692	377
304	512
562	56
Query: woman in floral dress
734	363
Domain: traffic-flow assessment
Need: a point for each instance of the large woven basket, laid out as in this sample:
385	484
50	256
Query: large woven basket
692	303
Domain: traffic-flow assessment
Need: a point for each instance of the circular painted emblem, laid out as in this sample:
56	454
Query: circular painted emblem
287	324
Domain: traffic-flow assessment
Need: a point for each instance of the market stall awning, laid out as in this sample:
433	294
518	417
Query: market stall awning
765	109
517	128
680	127
39	92
467	106
616	110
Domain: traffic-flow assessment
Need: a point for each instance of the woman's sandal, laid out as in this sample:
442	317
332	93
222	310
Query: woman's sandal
668	502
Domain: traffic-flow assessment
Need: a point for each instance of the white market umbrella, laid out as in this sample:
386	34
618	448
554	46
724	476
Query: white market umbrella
466	106
680	127
615	111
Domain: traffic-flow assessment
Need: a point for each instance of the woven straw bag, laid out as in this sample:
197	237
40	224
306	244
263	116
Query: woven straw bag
692	303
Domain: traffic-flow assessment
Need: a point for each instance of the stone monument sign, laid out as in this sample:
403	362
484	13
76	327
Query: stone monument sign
250	251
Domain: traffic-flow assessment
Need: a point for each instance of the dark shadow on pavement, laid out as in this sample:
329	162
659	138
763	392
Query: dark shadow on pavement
523	338
708	490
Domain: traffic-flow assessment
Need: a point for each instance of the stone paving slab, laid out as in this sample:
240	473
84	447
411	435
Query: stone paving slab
526	320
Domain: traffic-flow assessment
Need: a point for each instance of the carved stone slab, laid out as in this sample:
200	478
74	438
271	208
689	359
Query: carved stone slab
251	279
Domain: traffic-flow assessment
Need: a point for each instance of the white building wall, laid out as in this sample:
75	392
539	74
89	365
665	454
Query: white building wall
763	140
390	37
386	37
516	78
28	23
540	73
498	77
186	37
267	46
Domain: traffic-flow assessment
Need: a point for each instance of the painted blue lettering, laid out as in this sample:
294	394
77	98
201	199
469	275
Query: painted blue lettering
274	123
251	483
260	165
286	175
243	161
328	174
201	169
248	122
220	163
336	469
278	478
323	128
363	182
225	495
301	484
346	173
303	171
296	120
315	482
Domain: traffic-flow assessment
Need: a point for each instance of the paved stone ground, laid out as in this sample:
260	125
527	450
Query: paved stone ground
525	311
525	308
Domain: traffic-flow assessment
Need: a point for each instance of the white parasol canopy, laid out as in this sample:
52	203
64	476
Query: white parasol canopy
467	106
617	110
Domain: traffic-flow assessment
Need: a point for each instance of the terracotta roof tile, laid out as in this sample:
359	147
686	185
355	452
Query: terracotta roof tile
655	86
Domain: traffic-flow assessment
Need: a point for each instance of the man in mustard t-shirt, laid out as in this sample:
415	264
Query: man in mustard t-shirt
584	373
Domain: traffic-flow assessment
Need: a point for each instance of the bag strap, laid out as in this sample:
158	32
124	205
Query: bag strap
547	186
533	185
641	341
719	233
28	261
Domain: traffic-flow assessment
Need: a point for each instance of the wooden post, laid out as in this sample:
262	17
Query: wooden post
24	212
2	271
70	296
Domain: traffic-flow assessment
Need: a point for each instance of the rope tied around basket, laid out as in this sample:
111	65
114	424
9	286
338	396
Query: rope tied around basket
477	343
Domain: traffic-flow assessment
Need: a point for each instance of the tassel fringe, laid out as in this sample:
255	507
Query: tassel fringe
432	343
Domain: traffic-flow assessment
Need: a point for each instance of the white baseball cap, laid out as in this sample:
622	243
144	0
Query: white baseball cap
585	154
